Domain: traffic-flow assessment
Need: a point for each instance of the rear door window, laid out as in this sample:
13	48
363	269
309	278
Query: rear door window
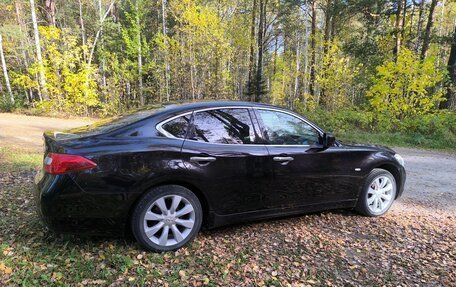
223	126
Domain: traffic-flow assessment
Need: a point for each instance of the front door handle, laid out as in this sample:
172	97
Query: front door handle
202	160
283	159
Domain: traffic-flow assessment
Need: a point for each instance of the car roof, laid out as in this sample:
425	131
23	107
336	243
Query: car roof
185	107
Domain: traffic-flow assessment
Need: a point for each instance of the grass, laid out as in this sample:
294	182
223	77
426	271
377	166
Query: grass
18	160
312	250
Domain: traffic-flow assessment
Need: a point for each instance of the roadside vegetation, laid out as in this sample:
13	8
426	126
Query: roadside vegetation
409	247
384	70
435	130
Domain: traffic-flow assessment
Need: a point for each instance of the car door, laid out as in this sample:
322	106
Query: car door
301	175
224	160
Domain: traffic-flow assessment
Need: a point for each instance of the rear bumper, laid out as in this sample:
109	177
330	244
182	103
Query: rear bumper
64	208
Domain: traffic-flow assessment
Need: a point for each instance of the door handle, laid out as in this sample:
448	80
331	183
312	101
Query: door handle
283	159
202	159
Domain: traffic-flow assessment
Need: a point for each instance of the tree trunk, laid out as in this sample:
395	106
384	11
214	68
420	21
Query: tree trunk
306	49
5	71
442	20
259	73
328	20
404	19
42	79
412	14
166	59
313	34
81	22
451	89
298	66
23	44
49	7
140	67
250	86
427	32
103	62
398	27
97	35
420	26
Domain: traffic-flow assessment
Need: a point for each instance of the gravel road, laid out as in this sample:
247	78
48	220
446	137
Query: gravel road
431	175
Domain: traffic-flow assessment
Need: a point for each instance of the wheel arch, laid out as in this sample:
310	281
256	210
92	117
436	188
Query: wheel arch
199	194
394	171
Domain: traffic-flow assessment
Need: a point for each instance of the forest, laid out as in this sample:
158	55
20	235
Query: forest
386	65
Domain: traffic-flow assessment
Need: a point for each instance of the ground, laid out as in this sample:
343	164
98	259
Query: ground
413	245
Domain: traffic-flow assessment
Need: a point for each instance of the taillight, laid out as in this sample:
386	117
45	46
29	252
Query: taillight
56	163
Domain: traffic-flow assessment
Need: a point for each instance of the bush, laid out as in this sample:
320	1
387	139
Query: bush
342	120
7	106
406	87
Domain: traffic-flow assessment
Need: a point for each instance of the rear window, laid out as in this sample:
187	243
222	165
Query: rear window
111	124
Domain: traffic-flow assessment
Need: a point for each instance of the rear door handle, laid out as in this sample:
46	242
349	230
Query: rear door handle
202	160
283	159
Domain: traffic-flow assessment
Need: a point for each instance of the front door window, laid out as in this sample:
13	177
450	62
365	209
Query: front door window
285	129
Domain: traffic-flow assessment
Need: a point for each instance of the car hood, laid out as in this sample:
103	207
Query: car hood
368	146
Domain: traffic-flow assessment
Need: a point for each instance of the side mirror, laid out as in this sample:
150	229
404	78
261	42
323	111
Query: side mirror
328	140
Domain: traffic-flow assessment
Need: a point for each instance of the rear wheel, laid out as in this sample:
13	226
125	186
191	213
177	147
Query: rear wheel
378	194
166	218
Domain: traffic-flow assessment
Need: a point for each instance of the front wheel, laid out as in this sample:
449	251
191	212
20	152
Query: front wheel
378	193
166	218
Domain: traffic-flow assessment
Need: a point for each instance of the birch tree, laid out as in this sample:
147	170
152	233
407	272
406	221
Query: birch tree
5	71
42	80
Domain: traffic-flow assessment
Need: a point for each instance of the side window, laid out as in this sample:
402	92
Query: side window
225	126
284	129
177	127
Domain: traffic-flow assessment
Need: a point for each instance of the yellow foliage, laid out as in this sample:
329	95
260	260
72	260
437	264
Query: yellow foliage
407	86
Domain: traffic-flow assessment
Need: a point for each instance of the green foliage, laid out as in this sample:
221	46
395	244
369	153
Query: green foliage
6	105
407	86
70	83
343	120
335	78
200	50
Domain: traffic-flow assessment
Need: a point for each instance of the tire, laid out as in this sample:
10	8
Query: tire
378	194
181	223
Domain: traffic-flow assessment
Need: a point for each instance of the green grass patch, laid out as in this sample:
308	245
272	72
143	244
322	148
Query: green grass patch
19	160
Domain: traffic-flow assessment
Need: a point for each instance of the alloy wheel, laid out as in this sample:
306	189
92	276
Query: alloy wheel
169	220
380	194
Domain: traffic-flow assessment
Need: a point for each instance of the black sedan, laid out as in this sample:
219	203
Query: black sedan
162	173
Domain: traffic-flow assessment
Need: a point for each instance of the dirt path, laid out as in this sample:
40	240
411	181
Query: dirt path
26	132
431	175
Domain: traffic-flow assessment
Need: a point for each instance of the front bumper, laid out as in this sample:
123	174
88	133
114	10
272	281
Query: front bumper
401	184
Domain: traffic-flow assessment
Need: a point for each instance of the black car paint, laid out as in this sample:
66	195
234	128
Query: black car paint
243	184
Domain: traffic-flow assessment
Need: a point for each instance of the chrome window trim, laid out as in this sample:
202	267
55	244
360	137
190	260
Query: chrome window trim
159	126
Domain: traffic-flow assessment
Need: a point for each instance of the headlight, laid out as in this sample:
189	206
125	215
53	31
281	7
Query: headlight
399	159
